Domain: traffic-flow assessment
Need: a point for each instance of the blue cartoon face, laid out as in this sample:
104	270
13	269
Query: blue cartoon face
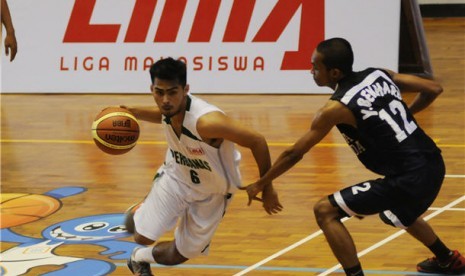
88	229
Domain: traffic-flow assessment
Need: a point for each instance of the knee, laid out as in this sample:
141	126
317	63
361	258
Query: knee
324	211
322	208
139	239
129	218
130	225
174	260
129	222
166	253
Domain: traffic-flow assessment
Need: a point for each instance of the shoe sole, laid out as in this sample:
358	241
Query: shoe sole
461	272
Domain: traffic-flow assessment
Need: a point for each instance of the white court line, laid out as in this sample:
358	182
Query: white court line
450	209
315	234
287	249
395	235
455	175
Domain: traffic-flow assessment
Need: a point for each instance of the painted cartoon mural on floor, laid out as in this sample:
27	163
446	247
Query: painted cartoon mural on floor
103	230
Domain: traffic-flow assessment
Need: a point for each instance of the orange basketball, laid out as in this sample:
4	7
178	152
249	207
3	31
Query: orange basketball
115	130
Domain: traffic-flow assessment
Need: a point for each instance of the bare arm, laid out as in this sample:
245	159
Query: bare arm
10	38
216	125
324	120
428	90
145	113
331	114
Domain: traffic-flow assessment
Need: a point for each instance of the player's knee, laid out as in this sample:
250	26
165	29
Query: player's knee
173	260
129	218
131	228
324	211
168	255
138	238
129	222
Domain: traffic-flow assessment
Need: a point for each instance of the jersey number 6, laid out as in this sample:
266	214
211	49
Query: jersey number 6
195	177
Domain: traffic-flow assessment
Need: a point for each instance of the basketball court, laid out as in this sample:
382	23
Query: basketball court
63	198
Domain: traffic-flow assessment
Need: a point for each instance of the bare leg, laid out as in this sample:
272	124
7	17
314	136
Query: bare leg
336	234
166	253
423	232
130	227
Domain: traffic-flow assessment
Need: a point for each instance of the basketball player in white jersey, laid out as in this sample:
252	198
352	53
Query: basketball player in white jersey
199	176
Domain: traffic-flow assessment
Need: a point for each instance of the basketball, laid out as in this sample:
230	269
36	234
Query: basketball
115	130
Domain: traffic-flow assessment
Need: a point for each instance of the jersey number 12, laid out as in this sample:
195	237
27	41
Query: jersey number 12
408	127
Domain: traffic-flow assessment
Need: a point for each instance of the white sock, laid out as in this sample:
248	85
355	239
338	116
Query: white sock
143	254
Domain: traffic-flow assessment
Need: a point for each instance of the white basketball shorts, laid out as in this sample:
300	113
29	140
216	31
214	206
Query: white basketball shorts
199	215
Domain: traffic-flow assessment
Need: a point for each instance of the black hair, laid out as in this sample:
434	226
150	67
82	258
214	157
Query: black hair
337	54
169	69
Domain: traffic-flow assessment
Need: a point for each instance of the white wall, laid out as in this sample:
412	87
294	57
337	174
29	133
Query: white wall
441	2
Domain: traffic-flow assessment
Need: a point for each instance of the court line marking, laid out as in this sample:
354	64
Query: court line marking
39	141
285	250
395	235
276	144
450	209
57	141
275	268
319	232
455	175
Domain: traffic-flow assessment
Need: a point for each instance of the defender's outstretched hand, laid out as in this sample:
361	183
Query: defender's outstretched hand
271	201
269	198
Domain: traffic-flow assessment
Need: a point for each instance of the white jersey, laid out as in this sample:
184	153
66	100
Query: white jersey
195	163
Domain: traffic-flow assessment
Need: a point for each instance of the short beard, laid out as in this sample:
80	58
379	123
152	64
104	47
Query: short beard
171	115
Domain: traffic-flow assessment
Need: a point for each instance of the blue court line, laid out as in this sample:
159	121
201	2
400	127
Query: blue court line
288	269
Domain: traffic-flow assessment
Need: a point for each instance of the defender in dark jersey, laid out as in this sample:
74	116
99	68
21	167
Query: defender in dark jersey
368	110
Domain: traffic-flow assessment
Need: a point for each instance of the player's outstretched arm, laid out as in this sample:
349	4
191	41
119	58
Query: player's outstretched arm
428	90
328	116
216	125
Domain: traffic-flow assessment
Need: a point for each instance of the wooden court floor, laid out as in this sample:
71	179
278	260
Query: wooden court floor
51	170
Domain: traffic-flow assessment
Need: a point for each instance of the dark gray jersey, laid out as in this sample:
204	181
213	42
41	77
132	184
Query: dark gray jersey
387	140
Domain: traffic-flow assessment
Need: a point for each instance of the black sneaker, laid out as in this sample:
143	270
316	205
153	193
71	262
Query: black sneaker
454	266
139	268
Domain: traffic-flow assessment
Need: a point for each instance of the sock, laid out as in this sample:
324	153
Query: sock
143	254
354	271
441	251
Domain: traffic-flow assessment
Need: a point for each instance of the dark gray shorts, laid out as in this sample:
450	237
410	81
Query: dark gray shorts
399	199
